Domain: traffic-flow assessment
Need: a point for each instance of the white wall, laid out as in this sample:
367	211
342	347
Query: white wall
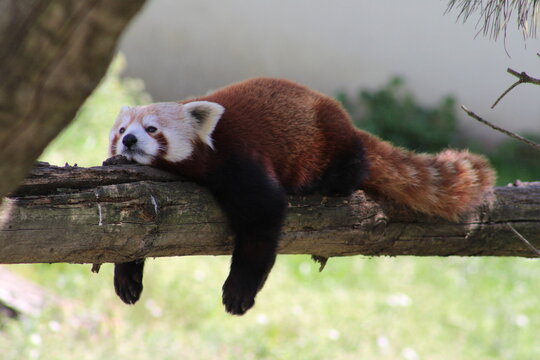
185	48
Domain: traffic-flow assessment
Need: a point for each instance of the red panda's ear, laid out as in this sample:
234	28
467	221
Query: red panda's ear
206	114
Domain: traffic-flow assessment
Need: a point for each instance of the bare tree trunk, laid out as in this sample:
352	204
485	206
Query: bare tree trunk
53	53
120	213
22	297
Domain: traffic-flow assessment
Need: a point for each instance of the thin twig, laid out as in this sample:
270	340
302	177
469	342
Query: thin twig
504	131
506	92
523	77
529	245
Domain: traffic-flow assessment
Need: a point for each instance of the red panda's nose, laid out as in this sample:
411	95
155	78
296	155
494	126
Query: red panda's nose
129	140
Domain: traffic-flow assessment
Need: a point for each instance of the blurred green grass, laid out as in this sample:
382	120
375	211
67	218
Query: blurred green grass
357	308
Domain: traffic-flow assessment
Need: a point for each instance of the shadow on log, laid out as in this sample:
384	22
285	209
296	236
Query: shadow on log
121	213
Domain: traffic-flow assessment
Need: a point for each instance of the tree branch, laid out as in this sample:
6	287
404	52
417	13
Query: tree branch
84	222
522	78
525	241
504	131
506	92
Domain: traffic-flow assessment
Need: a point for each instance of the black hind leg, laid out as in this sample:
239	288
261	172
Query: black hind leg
128	280
255	206
345	173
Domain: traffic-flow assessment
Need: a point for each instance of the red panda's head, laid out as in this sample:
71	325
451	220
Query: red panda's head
163	130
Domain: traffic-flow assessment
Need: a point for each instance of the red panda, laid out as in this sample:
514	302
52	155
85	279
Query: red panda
253	142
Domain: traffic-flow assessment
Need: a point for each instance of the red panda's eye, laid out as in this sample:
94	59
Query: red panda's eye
121	131
151	129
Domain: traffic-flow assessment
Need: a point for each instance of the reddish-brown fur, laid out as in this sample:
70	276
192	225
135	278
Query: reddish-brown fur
293	130
112	145
296	132
445	184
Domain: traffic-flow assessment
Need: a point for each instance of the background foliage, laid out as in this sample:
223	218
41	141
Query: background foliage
393	113
358	308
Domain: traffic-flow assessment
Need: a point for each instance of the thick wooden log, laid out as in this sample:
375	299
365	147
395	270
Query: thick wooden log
120	213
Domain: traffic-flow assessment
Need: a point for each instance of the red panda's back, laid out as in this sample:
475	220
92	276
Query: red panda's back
293	130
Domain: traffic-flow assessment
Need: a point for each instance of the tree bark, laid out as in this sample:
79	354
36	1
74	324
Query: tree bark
121	213
53	53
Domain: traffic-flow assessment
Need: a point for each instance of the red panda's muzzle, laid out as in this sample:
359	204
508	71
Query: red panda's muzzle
129	140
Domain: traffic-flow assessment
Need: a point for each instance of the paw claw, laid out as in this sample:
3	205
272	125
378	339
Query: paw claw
128	290
128	281
237	299
116	160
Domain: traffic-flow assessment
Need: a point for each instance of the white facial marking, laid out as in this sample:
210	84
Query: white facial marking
176	129
150	120
146	147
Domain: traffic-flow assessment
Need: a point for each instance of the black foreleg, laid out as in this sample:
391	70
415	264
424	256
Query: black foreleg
128	280
255	206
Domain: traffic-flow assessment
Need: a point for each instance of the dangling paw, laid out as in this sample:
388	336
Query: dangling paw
128	281
239	294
